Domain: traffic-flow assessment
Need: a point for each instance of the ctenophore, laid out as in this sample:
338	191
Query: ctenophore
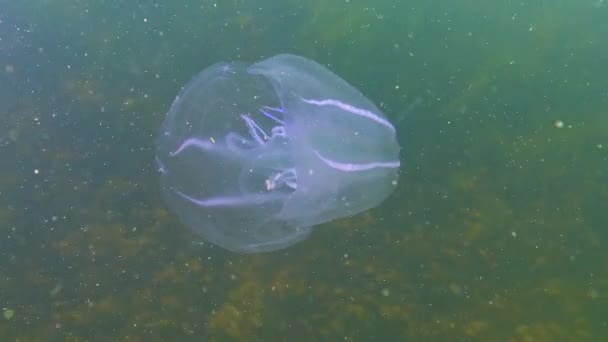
253	156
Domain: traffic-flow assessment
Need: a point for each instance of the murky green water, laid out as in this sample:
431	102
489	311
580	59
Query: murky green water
497	230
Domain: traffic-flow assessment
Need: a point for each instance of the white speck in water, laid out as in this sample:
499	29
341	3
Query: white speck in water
558	124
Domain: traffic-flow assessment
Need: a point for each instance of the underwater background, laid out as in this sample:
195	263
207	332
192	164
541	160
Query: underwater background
496	231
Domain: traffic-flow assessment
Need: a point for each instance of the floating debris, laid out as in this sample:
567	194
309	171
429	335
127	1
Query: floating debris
8	313
558	124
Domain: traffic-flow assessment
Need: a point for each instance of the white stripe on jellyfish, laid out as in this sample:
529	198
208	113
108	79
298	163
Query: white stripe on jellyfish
348	167
194	142
235	201
235	145
351	109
